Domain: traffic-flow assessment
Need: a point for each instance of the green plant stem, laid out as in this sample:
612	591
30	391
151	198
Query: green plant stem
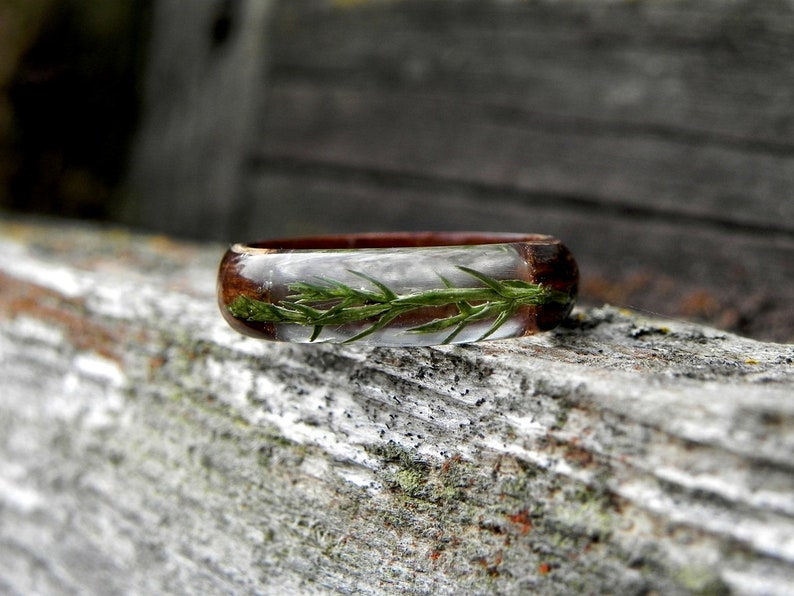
332	303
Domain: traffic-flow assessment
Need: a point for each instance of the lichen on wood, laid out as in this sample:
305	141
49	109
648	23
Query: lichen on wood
148	448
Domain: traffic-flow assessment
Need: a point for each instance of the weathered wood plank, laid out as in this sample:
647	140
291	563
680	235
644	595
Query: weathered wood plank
147	448
458	138
682	64
679	105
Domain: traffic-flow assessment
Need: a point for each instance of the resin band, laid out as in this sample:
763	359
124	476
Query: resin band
407	289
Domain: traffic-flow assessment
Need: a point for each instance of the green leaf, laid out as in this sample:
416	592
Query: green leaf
492	283
498	322
384	320
388	295
439	324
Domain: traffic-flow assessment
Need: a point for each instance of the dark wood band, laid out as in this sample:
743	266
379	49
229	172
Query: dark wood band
396	240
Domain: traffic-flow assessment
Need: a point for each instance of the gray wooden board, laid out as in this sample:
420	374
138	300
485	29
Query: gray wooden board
147	448
456	137
676	105
692	65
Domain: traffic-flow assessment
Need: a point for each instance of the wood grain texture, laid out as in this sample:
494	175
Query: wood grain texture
146	448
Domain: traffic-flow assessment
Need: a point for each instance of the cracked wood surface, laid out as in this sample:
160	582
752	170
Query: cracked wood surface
147	448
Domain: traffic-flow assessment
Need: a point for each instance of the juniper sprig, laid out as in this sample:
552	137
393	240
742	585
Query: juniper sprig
329	302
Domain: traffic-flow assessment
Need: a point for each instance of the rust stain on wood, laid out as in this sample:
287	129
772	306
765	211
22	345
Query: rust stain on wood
19	298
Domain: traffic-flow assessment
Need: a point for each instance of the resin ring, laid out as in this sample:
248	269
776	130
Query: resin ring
405	289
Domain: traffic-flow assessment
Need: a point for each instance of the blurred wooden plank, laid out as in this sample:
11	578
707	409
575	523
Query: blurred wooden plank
673	106
147	448
207	64
458	137
719	68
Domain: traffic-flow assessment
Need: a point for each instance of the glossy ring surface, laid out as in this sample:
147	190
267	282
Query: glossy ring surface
398	289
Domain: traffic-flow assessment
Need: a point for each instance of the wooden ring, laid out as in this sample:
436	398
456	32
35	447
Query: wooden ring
398	289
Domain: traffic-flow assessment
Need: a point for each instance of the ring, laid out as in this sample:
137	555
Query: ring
398	289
